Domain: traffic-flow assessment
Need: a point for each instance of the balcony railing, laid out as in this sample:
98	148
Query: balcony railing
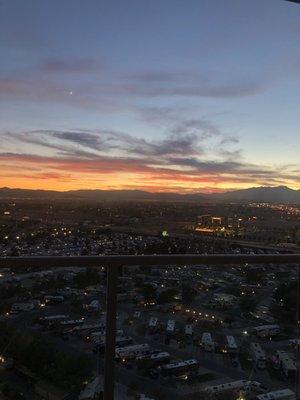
114	262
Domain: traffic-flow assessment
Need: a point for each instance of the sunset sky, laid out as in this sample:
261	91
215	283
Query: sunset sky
170	95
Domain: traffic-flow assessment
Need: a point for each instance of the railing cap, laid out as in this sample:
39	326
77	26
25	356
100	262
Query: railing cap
151	260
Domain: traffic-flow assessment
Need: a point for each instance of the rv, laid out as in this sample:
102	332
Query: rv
53	319
94	306
283	394
231	345
266	330
19	307
53	299
258	355
170	326
90	327
295	343
286	364
234	386
180	368
207	342
72	322
131	352
224	300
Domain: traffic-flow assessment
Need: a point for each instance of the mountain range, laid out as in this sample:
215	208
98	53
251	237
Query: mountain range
277	194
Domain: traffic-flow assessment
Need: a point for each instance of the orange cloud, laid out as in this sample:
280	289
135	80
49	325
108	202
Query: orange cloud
33	171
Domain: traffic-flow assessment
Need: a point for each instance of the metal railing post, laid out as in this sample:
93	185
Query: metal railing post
110	335
298	331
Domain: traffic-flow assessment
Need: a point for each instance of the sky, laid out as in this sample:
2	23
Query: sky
172	95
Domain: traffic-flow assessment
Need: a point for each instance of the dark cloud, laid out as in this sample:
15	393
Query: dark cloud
229	140
198	127
71	66
106	141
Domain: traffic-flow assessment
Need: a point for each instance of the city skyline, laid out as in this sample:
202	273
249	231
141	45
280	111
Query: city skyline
183	97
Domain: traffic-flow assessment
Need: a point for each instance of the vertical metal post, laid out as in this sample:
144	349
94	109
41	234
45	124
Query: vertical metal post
110	337
298	332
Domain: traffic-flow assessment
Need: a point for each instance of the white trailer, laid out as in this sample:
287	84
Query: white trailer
207	342
258	355
283	394
170	326
266	330
231	345
131	352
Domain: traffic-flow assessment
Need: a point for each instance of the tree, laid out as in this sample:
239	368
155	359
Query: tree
229	319
286	299
148	292
254	275
188	294
248	303
38	355
234	289
132	388
167	296
87	278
